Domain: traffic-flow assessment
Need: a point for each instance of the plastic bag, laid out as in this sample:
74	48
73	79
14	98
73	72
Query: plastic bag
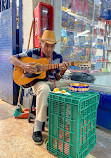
82	76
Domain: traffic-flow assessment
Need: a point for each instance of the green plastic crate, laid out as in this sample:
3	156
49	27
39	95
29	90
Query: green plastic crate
72	123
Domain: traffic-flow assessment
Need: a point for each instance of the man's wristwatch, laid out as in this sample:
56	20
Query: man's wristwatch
60	75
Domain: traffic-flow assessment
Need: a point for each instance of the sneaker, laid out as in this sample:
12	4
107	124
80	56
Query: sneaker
37	137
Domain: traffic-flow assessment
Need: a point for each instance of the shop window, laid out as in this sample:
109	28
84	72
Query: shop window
84	35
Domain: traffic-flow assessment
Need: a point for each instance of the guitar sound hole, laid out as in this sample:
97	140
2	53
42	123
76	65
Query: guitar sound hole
38	68
28	75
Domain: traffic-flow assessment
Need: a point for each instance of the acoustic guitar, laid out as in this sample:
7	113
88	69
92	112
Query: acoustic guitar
25	79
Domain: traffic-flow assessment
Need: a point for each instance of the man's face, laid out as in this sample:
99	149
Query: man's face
47	49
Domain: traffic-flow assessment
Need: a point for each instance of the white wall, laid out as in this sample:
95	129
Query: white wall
28	6
27	20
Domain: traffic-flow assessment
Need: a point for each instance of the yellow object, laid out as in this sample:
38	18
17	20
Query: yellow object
48	37
56	90
90	156
63	91
65	40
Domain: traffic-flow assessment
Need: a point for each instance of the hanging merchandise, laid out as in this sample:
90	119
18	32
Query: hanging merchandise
84	31
64	19
87	41
73	5
86	8
94	54
90	9
80	6
70	38
66	3
99	43
105	9
70	22
78	26
102	32
96	12
76	40
64	37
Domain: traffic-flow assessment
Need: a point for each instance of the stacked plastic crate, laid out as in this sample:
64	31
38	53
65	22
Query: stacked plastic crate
72	123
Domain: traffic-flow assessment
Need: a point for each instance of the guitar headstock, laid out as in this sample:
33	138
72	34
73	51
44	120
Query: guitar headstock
81	64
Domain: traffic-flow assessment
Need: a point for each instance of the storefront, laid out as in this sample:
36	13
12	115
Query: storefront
85	32
84	28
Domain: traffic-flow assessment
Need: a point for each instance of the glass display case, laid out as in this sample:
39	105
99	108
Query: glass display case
76	30
83	34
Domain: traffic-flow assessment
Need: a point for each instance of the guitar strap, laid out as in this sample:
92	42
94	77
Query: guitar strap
41	54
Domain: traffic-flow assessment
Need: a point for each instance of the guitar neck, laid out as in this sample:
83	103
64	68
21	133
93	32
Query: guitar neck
80	64
53	66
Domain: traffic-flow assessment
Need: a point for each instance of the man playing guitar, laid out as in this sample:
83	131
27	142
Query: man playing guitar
41	87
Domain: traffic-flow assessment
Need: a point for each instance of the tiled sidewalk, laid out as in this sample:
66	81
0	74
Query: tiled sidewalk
16	138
